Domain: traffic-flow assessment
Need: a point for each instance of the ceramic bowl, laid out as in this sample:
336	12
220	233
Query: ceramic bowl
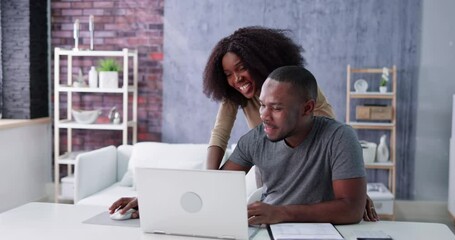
85	116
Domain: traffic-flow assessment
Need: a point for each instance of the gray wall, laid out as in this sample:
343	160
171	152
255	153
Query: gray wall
24	59
16	58
365	33
436	86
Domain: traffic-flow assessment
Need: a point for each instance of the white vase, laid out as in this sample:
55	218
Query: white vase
383	89
108	79
369	150
383	151
93	78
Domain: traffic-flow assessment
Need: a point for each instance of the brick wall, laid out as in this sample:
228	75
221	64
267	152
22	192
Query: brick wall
133	24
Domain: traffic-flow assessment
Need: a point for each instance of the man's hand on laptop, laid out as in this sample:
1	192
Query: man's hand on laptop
124	204
262	213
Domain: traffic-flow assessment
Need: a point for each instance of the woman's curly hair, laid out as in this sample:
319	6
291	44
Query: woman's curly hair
261	51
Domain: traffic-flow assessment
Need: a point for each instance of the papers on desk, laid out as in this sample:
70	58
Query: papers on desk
304	231
371	235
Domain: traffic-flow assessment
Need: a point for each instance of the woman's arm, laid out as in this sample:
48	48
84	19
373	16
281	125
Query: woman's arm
214	156
221	133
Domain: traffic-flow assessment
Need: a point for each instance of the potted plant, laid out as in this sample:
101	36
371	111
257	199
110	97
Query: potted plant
108	73
384	80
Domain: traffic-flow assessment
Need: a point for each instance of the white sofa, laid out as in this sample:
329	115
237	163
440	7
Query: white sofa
104	175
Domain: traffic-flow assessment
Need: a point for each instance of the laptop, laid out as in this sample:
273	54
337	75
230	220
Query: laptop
197	203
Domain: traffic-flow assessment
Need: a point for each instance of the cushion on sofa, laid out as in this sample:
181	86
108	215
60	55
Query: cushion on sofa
164	155
108	196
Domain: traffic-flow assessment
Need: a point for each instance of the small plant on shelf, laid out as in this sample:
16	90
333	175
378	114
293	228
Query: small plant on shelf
108	65
108	69
384	80
384	77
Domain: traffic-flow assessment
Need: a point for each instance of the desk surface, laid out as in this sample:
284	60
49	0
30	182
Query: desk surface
51	221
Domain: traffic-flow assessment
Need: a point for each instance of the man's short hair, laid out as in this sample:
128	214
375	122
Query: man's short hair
300	78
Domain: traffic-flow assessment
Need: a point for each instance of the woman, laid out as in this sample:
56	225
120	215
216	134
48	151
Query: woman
234	74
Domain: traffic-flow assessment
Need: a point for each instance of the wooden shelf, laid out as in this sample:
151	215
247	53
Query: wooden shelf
372	95
377	165
369	70
389	217
390	126
372	125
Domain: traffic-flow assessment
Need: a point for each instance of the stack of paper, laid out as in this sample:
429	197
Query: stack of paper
284	231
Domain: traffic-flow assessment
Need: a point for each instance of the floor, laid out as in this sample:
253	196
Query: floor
423	211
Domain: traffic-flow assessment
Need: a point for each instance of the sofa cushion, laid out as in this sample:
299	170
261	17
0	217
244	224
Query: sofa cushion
108	196
164	155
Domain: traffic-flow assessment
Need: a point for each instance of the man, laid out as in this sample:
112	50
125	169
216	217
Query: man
312	167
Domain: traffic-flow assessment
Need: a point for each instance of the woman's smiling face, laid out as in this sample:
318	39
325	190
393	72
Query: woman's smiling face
238	76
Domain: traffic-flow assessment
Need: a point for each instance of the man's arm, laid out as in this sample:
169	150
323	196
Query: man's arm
230	165
347	207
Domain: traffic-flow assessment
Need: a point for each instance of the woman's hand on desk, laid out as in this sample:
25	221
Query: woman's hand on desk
124	204
370	212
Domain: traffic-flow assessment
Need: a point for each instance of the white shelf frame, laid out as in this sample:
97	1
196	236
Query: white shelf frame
66	88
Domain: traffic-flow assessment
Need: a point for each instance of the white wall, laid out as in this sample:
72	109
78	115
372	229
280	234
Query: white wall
436	85
25	164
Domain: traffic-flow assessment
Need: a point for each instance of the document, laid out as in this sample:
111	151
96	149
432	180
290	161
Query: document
283	231
371	235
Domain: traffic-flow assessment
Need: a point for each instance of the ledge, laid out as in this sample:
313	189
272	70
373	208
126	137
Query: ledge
15	123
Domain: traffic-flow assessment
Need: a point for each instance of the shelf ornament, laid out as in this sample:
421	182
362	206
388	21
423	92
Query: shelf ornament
91	28
383	150
384	80
79	80
76	28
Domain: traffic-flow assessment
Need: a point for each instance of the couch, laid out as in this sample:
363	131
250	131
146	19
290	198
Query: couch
104	175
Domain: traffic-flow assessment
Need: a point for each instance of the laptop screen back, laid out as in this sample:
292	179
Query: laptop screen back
206	203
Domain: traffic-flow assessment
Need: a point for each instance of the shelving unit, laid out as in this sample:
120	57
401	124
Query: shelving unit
389	97
65	88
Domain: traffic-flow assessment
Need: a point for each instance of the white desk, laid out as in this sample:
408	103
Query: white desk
51	221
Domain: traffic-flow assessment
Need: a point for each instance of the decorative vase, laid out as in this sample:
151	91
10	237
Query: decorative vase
108	79
117	119
383	150
93	78
383	89
369	150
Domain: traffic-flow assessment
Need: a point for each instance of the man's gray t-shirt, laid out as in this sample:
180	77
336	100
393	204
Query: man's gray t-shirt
304	174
